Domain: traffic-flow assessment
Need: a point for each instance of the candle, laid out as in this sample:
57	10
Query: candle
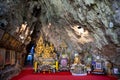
35	66
57	65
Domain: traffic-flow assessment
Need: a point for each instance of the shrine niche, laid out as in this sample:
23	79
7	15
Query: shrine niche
98	67
64	58
64	62
44	57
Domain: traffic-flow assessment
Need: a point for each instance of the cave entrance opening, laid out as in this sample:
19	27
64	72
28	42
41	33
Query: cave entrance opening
30	57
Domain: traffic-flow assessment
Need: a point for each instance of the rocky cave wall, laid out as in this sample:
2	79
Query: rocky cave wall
85	26
63	20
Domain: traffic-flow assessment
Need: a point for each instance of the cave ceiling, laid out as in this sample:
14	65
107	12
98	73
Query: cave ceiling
91	26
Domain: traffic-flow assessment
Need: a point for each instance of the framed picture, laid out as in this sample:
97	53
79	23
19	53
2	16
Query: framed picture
115	71
64	62
1	33
5	37
10	40
17	44
13	43
98	65
7	57
12	57
2	58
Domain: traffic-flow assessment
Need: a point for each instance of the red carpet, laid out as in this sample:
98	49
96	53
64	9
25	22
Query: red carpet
30	75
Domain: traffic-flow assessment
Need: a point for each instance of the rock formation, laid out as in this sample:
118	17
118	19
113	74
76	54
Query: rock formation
91	26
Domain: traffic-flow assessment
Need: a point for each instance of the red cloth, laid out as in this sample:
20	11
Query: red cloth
30	75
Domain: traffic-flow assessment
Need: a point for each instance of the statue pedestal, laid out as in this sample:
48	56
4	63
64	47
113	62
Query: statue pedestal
46	64
64	66
83	74
78	70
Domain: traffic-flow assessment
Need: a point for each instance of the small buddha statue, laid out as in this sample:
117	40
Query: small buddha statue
54	55
109	67
76	59
77	68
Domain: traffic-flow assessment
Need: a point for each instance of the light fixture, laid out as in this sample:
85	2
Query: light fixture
98	57
31	32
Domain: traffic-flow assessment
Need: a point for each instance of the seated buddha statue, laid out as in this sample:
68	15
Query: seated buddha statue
77	68
76	59
47	52
39	46
51	47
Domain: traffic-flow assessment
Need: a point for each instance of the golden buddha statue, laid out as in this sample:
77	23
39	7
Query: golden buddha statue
47	52
77	68
40	46
52	51
51	47
77	59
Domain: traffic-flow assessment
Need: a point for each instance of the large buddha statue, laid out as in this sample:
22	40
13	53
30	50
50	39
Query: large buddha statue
40	46
47	52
